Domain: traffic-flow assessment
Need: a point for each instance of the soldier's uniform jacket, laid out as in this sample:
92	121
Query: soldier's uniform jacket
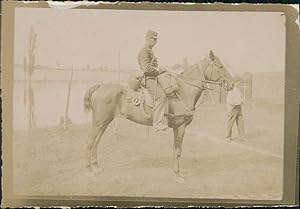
148	62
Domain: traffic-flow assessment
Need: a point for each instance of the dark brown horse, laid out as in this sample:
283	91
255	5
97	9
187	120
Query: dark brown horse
108	101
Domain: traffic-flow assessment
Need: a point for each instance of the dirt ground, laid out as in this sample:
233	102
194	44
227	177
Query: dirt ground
138	162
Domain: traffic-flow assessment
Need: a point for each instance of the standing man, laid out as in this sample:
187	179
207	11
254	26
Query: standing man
148	64
234	107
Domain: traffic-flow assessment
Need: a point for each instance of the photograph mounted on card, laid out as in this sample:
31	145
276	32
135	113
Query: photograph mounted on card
147	104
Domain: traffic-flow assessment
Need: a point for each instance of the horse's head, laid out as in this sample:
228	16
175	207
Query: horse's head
214	70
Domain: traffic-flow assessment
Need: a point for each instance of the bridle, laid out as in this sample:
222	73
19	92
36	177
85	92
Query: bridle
200	83
221	80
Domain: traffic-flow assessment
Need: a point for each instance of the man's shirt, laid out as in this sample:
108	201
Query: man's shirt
234	98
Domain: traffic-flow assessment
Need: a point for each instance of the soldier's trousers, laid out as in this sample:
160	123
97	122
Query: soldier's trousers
160	102
235	116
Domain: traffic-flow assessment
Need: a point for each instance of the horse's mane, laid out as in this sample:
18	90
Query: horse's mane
198	67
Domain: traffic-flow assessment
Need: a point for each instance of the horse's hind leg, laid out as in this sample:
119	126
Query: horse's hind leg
100	131
93	135
103	102
102	117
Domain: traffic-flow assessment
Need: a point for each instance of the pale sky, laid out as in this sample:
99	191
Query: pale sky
244	41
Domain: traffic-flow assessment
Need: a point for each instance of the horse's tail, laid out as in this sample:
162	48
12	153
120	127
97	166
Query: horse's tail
87	97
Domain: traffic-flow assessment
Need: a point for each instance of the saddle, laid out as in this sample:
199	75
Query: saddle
137	92
166	80
139	95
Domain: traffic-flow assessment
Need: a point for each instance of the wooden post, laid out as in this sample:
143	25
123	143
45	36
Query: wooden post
119	70
116	126
66	118
247	86
245	91
25	81
250	85
244	86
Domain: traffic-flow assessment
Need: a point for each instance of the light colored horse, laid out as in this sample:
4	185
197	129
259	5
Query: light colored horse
108	101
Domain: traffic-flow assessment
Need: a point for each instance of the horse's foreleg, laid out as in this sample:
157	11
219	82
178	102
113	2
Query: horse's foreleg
178	138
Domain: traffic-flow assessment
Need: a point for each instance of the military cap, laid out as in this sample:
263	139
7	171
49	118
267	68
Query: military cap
151	34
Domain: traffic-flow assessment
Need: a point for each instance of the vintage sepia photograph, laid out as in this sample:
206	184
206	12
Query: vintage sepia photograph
148	103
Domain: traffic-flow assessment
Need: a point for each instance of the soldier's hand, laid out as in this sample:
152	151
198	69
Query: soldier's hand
162	70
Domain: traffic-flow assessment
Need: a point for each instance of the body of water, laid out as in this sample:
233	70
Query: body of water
50	96
50	102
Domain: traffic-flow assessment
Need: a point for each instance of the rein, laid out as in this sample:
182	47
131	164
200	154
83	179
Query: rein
183	78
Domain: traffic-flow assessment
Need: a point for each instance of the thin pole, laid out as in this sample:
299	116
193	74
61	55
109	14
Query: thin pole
68	99
245	86
250	87
116	129
119	70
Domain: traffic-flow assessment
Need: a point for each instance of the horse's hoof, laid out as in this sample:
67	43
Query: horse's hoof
179	178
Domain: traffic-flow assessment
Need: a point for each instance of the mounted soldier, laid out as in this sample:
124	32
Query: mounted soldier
149	65
109	101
